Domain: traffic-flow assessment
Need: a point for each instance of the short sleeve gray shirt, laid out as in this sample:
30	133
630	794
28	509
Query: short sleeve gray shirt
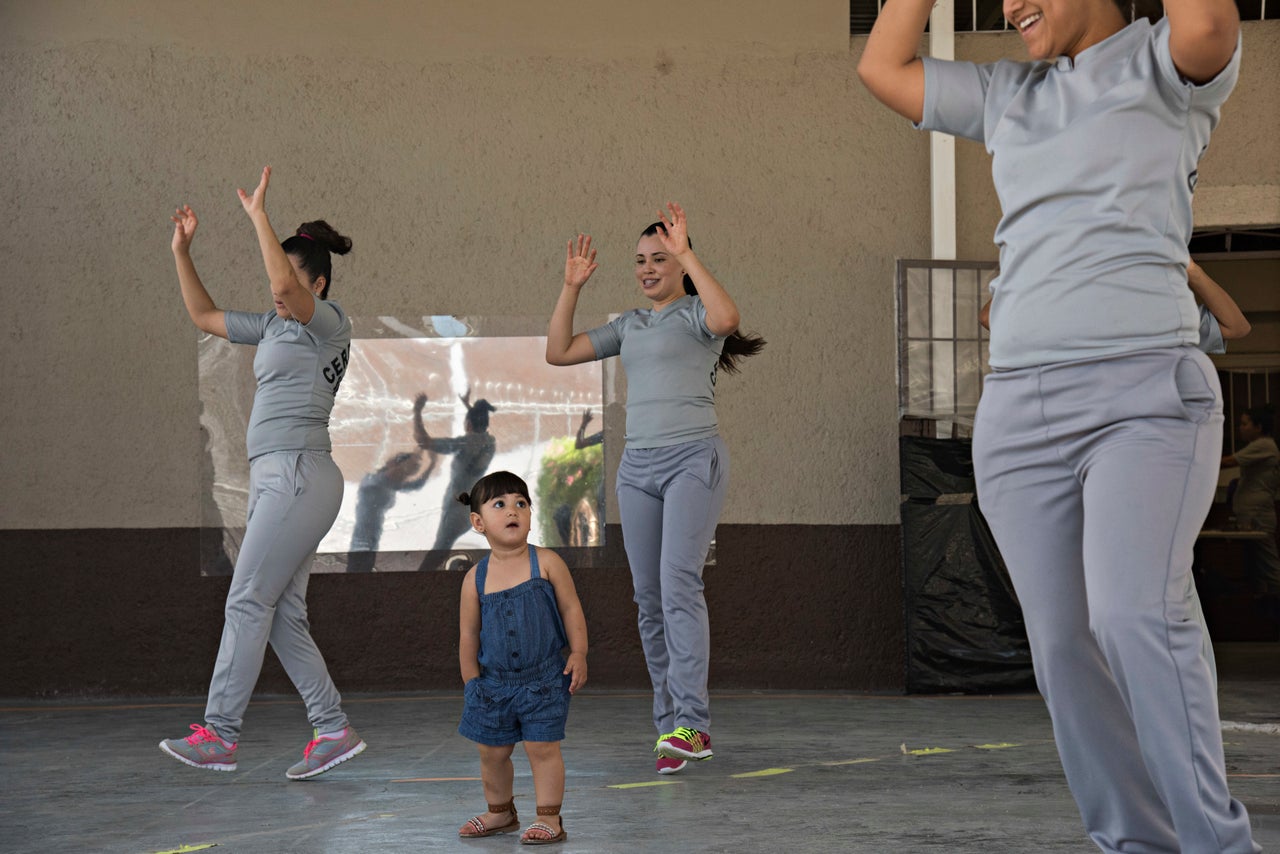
1094	161
670	357
299	368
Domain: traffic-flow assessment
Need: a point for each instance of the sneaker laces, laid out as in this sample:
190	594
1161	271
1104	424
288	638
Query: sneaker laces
201	734
683	732
311	745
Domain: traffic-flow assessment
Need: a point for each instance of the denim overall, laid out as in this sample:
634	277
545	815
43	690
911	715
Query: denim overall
522	692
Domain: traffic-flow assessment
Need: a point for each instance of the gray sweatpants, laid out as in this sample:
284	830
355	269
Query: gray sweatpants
1095	477
670	500
294	497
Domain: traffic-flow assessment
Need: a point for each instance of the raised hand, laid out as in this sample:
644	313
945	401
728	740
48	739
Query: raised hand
674	233
257	202
184	228
419	401
586	419
579	262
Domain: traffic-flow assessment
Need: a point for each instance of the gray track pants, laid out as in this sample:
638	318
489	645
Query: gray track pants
670	500
294	497
1095	477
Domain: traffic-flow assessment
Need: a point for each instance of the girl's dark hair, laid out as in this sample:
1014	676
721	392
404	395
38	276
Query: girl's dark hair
736	345
491	486
1264	417
311	245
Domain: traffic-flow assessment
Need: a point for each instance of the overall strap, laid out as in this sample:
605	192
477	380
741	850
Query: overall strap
482	570
534	572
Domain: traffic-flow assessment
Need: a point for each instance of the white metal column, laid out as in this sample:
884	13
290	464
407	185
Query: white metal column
942	147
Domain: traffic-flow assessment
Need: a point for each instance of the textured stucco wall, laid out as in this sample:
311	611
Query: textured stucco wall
1239	181
459	145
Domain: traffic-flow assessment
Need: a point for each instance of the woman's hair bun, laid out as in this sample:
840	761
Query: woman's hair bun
326	235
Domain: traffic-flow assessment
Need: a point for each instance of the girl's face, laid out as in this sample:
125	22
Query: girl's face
504	520
316	286
660	277
1053	28
1248	430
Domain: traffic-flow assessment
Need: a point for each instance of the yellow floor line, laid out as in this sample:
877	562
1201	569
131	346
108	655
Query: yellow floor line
643	785
767	772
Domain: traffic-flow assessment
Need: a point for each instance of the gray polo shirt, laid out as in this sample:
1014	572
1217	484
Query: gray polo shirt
298	369
670	358
1094	161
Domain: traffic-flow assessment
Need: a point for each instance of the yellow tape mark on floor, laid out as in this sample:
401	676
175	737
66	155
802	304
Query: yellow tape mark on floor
928	751
767	772
1000	746
642	785
849	762
185	848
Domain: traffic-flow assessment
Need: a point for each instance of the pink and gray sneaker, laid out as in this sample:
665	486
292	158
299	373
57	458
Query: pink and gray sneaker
324	752
202	749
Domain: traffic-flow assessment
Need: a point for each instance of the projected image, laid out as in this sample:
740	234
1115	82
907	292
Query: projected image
417	421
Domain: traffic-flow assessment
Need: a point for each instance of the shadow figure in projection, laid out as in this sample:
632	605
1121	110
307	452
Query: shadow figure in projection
405	472
472	453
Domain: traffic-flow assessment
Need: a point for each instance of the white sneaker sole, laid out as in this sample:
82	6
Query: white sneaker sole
337	760
211	766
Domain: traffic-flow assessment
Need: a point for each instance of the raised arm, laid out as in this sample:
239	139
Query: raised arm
204	314
563	347
890	66
722	312
419	429
1231	319
1202	37
285	287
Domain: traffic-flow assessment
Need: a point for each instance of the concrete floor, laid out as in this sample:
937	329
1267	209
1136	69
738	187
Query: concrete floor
805	772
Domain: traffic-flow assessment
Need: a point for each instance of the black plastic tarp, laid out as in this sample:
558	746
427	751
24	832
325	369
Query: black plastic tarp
964	626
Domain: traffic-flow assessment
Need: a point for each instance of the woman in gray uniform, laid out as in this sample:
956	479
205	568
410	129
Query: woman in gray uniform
675	467
295	489
1254	502
1098	436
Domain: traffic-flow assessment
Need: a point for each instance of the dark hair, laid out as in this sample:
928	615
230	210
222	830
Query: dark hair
478	416
491	486
736	345
1264	417
311	245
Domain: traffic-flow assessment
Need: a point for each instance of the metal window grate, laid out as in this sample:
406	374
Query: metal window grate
942	347
988	15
